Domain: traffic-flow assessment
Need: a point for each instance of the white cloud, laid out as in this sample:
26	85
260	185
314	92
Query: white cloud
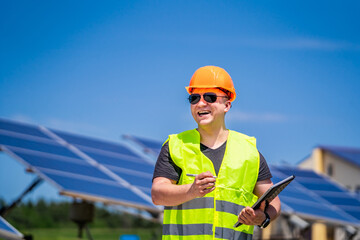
277	43
301	44
22	118
256	117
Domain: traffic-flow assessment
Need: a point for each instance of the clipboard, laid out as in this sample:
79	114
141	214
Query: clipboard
270	194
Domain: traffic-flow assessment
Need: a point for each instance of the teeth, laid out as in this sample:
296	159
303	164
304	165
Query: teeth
203	112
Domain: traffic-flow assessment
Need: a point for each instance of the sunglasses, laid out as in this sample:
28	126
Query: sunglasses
208	97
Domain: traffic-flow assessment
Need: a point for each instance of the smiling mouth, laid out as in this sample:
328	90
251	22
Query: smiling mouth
203	113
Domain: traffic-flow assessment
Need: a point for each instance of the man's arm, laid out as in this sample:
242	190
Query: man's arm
250	216
165	192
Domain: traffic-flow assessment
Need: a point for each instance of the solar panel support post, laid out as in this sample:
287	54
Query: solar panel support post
82	213
6	209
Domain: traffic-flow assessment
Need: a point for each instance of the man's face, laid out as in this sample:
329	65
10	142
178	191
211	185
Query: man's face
205	113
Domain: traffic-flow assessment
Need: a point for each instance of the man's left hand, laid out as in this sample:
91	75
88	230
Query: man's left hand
249	216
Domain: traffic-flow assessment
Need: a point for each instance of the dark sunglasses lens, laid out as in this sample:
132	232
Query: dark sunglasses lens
210	97
194	98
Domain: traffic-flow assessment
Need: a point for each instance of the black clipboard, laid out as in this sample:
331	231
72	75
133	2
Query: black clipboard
270	194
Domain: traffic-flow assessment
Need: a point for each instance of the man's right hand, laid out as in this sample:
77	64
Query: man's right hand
203	184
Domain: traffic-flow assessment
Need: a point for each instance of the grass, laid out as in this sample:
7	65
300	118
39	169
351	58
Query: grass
96	233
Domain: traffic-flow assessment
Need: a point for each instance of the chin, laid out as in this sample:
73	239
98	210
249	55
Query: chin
204	122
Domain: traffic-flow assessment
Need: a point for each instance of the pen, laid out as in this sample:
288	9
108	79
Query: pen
194	175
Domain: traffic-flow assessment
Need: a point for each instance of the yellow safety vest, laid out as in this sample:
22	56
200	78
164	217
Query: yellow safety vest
213	216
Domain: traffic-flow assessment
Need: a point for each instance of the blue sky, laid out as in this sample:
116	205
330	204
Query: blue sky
120	67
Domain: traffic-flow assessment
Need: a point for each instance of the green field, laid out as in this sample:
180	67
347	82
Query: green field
96	233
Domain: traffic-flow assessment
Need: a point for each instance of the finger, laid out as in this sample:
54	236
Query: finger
243	215
250	211
208	185
205	181
206	174
207	190
243	219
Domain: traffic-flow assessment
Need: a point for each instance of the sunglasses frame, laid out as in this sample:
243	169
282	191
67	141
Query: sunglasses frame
209	97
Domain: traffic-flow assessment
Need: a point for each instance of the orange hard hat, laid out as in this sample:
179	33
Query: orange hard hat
212	77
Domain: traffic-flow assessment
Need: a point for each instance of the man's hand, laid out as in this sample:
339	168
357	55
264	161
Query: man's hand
165	192
250	216
203	184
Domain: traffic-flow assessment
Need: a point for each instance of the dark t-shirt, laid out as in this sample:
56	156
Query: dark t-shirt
165	167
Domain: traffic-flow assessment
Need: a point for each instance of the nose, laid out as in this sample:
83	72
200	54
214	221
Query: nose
202	101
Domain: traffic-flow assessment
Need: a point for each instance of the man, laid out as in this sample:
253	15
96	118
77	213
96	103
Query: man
208	177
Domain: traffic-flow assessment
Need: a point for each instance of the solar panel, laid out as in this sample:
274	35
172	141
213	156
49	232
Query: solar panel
81	166
148	145
7	231
315	196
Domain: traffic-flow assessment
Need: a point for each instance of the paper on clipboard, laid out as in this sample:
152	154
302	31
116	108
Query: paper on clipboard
270	194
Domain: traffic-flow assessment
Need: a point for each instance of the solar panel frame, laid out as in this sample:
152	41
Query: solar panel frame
7	231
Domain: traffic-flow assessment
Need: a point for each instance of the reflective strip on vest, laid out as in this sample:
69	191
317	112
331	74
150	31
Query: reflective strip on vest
208	202
229	207
187	229
227	233
205	202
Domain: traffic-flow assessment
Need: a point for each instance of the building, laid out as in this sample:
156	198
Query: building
339	163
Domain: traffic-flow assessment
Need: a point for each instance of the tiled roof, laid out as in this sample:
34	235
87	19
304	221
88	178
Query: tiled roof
351	155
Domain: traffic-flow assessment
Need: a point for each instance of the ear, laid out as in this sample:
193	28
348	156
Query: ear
227	106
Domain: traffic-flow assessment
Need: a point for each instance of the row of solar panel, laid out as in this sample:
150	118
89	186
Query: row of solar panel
71	162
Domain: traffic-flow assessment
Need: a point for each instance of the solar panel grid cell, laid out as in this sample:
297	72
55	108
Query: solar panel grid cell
321	186
137	180
122	162
342	201
318	211
98	189
21	128
48	147
88	142
297	193
81	168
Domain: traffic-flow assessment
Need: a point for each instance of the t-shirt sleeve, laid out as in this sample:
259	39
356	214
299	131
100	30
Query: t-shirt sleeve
264	171
165	167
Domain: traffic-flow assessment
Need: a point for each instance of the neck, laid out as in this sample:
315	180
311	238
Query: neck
213	137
